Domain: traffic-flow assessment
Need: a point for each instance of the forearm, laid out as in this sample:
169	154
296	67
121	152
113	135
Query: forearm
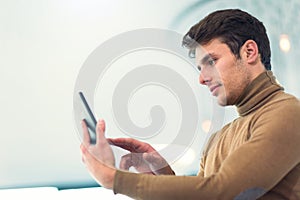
140	186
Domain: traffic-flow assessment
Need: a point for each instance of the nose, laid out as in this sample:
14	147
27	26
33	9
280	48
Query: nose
204	79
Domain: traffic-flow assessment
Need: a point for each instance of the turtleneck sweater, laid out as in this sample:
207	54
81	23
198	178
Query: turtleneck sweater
257	156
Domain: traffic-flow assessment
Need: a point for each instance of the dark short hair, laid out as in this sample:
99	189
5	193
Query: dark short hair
233	27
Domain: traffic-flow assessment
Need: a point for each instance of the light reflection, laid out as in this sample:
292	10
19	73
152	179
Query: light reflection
284	43
206	125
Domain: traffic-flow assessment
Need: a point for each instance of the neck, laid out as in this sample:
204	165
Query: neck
257	92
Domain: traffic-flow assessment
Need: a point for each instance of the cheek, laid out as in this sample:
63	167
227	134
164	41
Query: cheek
225	77
230	86
233	88
222	71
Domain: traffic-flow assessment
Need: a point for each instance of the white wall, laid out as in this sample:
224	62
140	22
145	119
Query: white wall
42	47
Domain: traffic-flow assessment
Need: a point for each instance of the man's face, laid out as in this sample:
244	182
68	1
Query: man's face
224	74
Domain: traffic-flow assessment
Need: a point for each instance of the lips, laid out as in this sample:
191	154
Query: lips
214	88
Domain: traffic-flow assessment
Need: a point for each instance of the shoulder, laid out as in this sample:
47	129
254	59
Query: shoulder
281	104
280	115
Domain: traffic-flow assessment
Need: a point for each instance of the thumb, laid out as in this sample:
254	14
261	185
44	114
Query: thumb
157	163
100	130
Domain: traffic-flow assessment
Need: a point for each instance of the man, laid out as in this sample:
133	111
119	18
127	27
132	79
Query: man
255	156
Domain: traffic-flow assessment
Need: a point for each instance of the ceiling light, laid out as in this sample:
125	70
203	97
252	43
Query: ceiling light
284	43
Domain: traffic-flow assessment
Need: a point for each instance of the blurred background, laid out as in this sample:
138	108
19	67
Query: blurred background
43	44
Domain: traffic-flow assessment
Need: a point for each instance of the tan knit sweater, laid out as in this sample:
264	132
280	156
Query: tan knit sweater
256	155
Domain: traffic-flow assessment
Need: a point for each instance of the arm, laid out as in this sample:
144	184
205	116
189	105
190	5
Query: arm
257	165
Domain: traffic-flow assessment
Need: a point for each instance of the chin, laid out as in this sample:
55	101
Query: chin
222	101
222	104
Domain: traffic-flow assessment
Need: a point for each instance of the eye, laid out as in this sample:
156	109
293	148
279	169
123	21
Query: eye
211	62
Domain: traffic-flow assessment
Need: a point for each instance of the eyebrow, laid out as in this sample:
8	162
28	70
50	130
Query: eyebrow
206	58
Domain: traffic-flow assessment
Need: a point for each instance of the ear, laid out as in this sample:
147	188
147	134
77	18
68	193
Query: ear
250	52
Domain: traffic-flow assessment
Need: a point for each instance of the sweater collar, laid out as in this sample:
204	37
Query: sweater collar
256	93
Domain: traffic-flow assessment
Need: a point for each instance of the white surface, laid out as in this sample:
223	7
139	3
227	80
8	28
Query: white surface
52	193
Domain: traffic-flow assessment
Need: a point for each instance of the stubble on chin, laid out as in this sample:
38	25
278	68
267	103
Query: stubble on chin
221	97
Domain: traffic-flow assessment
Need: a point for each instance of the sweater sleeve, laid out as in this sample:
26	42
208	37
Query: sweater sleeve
252	169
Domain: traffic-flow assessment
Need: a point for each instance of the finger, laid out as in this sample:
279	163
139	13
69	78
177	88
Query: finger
110	141
126	141
123	143
158	164
102	122
126	162
81	148
155	160
100	129
131	145
150	158
86	135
